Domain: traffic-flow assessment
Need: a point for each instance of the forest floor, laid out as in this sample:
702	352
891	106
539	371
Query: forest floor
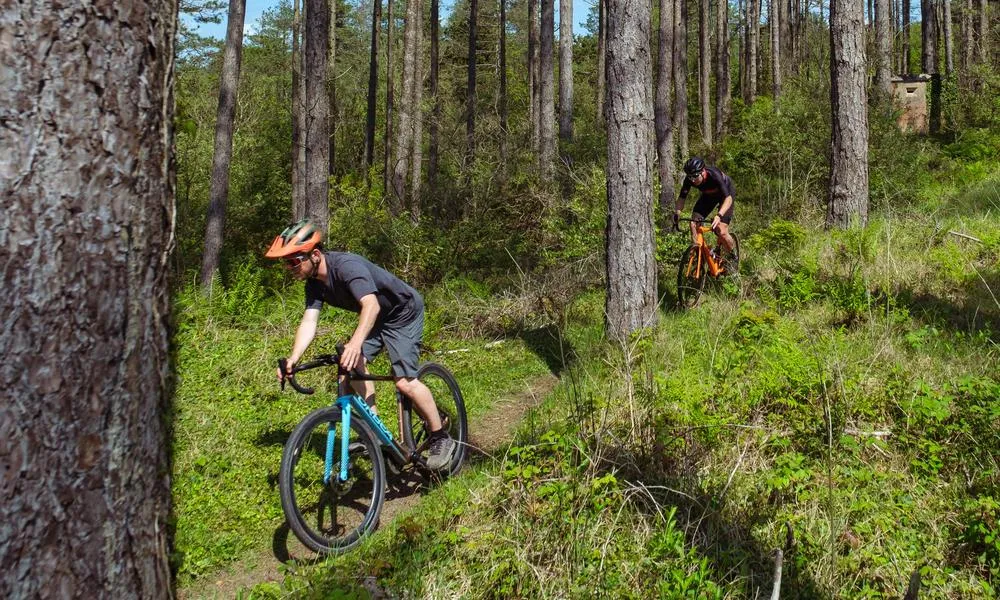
487	435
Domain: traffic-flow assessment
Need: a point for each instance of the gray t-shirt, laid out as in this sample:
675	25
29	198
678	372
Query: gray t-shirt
350	277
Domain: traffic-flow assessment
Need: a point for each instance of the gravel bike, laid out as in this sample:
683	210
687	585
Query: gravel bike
332	478
699	261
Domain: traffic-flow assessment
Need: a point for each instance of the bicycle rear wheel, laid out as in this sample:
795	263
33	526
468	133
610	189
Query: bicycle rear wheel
331	517
691	276
451	409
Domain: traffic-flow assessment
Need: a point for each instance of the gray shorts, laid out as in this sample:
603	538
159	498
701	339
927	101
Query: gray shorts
403	341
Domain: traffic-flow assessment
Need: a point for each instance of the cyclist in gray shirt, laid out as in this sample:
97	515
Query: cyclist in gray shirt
390	315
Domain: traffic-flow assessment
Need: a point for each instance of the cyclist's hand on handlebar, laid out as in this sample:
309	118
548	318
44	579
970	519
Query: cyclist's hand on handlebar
715	221
351	358
282	375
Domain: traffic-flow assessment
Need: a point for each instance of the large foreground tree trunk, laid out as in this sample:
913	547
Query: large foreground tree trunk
631	269
87	181
849	177
223	155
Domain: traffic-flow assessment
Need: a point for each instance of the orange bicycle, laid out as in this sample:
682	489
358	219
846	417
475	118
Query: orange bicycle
699	262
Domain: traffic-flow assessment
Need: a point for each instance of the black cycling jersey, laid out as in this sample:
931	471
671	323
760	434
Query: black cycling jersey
714	189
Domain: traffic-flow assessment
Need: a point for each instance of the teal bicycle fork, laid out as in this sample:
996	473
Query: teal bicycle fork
346	402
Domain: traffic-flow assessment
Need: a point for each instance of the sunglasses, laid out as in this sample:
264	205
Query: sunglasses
296	260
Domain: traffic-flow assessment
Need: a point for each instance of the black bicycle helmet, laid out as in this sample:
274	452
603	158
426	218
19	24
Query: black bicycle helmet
694	165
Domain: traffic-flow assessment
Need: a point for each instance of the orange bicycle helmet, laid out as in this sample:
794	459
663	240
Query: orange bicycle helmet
299	238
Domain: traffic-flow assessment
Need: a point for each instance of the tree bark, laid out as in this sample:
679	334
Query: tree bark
318	113
631	268
331	87
849	176
432	166
223	154
663	109
883	31
907	58
547	118
982	34
705	70
949	56
774	17
372	90
504	152
86	228
298	121
534	87
416	165
404	138
470	101
966	35
602	36
680	76
566	70
753	26
928	37
395	204
722	83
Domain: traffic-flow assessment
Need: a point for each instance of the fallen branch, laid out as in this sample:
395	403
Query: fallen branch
778	559
878	434
968	237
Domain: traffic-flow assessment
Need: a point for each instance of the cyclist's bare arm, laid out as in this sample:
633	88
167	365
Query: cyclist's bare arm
352	357
303	337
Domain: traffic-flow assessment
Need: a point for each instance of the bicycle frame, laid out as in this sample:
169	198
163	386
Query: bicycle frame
704	255
347	402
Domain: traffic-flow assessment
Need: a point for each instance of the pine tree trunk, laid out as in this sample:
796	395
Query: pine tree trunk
547	118
87	228
470	100
949	56
534	86
223	154
966	34
372	90
566	70
663	112
722	84
432	167
680	76
982	34
318	113
504	152
849	160
883	42
743	46
907	58
394	202
404	138
753	24
775	24
705	70
602	35
331	87
416	165
298	121
928	38
631	269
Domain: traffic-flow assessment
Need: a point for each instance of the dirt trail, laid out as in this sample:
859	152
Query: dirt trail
486	434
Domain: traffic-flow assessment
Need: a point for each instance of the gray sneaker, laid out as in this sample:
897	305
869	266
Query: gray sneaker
440	453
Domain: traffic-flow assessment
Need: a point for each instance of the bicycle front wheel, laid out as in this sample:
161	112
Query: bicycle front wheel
691	276
326	514
451	410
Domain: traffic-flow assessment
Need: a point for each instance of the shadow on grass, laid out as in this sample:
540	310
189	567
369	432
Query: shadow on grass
549	344
976	311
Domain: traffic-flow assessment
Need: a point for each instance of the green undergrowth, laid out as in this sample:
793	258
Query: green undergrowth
841	405
231	420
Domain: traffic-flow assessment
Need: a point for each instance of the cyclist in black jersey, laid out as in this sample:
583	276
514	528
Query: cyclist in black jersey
716	192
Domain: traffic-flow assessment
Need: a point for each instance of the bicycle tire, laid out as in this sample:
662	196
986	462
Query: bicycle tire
333	517
451	408
691	274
